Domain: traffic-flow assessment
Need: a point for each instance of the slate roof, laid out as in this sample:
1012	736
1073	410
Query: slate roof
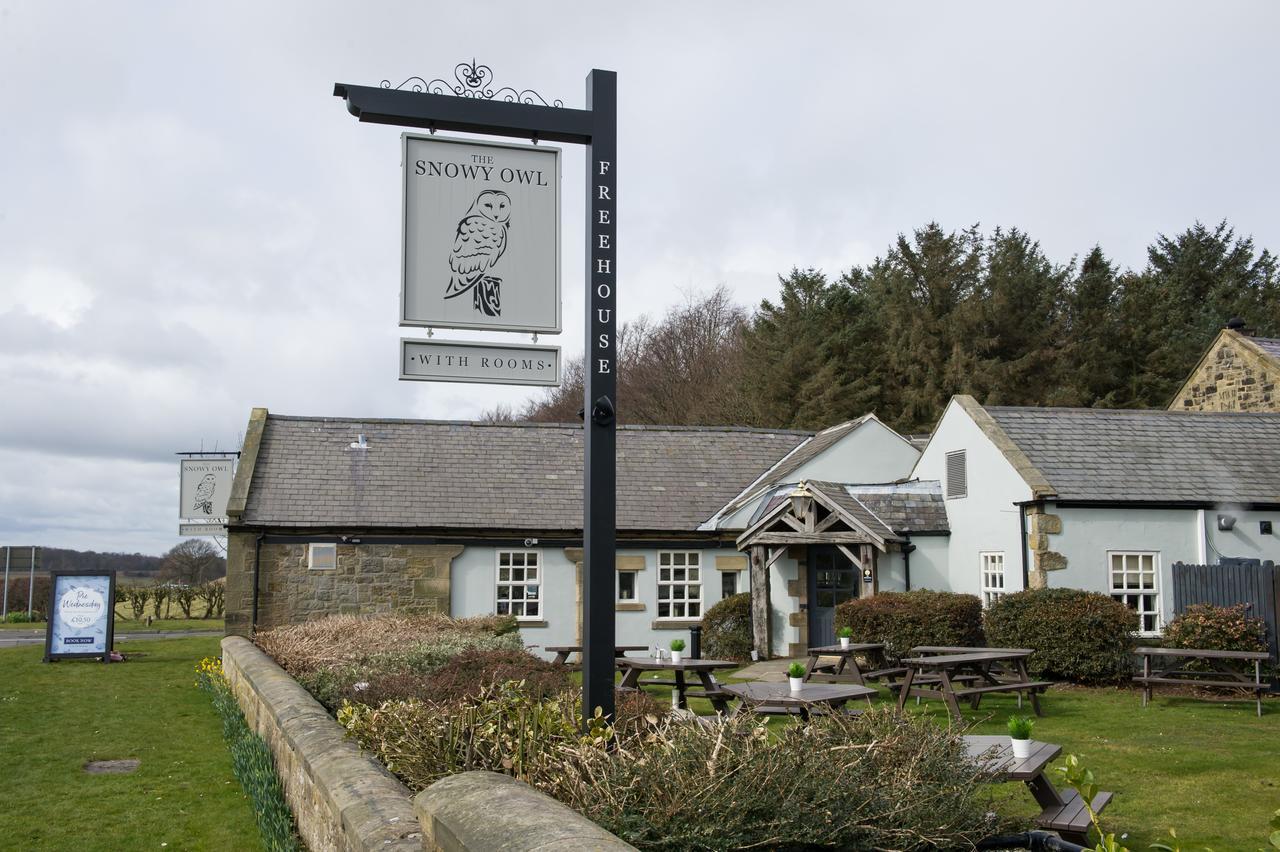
1270	345
1149	456
855	508
418	474
907	507
902	507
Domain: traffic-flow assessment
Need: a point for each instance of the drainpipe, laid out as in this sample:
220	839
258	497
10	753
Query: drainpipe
1202	539
907	548
1022	545
257	558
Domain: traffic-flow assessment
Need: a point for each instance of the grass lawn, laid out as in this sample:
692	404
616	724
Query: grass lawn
1210	769
55	717
124	626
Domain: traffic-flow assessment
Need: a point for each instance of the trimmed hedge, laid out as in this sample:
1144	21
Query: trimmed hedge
726	629
1083	637
1218	628
903	620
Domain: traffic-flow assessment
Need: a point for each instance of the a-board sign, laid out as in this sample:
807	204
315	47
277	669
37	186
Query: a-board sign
481	235
82	615
492	363
202	529
203	488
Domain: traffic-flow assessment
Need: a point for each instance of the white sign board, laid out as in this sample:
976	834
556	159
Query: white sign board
202	529
487	363
481	235
203	488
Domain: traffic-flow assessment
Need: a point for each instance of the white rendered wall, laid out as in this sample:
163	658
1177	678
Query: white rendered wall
984	520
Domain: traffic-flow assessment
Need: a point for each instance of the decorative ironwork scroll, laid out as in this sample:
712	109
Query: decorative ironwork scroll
473	81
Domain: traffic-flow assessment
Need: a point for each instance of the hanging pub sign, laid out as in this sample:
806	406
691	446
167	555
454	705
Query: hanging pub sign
203	488
481	235
82	615
490	363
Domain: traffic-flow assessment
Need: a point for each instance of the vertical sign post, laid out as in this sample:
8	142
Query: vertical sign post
472	104
599	522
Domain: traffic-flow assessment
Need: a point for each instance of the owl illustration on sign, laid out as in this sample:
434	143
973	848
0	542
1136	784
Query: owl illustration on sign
204	495
478	244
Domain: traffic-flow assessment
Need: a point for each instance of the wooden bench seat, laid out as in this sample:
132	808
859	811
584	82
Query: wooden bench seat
1072	817
1190	681
779	710
933	680
1033	686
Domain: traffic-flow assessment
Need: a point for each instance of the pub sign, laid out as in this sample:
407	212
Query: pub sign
81	615
203	488
481	235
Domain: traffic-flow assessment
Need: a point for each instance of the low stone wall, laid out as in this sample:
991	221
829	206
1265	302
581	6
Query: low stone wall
491	812
341	798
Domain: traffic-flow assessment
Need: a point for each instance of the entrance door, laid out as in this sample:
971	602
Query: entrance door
832	580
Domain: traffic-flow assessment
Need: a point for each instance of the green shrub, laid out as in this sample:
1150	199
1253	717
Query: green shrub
501	729
726	629
1218	628
20	618
251	762
1084	637
879	781
1020	727
904	620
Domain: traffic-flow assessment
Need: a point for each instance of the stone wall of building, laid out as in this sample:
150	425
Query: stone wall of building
1234	376
369	578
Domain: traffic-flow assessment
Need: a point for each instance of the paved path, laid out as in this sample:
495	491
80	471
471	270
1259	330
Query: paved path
770	671
12	639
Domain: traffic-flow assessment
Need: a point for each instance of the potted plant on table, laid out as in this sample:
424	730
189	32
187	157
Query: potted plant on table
845	634
795	674
677	649
1020	733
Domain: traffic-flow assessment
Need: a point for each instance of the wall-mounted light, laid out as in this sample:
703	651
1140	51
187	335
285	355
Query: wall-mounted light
1264	527
1226	523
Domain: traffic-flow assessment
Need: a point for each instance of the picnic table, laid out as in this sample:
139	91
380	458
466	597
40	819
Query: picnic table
1064	813
845	669
968	675
633	667
562	652
777	698
1175	670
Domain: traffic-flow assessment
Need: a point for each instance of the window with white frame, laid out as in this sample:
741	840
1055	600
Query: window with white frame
626	586
520	584
679	584
1135	582
992	577
322	557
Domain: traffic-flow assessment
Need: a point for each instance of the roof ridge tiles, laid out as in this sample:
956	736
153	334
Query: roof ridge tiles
531	424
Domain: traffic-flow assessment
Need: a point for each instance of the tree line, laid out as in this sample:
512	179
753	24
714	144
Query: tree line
939	313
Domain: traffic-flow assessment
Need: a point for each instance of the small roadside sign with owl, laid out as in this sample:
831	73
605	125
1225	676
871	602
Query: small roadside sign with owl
481	235
203	488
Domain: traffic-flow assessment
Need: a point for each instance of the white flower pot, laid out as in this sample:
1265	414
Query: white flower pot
797	683
844	643
1021	749
676	656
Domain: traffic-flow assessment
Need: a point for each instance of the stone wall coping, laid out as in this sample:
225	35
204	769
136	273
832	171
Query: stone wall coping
374	810
477	810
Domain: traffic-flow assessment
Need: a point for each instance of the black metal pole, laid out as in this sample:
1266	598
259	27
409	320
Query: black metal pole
599	533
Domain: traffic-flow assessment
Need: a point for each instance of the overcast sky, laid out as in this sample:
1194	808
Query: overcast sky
191	225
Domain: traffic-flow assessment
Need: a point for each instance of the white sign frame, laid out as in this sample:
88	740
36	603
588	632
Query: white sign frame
223	479
517	325
472	347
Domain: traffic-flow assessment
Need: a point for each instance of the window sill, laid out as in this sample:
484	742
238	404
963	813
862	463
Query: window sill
628	606
675	623
530	622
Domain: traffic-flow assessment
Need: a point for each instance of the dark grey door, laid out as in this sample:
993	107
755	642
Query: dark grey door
832	580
